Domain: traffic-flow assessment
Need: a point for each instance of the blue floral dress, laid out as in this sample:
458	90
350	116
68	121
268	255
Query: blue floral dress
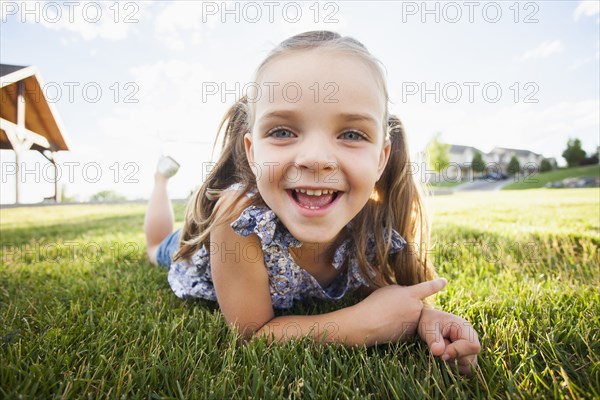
288	282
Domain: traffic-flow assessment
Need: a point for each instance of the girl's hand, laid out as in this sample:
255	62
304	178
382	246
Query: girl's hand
451	338
392	312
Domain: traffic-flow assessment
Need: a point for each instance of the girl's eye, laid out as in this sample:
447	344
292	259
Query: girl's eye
352	135
280	133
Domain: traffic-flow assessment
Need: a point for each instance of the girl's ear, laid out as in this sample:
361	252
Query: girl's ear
384	157
248	147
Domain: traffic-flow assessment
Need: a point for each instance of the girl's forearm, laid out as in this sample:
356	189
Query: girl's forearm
389	314
340	326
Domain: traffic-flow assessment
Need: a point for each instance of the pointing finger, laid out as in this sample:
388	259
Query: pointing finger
426	289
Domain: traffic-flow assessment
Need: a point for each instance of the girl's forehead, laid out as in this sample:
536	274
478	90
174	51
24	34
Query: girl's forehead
324	76
318	63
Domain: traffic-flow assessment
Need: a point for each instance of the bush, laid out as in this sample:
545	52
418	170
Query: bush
107	195
589	160
546	165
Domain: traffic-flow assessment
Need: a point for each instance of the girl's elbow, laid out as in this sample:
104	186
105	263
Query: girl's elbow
248	332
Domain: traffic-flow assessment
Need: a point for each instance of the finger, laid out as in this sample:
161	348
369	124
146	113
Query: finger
466	360
426	289
467	365
464	365
461	329
460	348
440	349
467	369
435	340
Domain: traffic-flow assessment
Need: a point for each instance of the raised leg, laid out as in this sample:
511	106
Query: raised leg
158	223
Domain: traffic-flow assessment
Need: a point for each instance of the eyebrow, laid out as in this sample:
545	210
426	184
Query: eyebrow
284	114
358	117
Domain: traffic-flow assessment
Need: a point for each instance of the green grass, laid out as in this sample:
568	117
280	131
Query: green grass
84	315
538	180
445	184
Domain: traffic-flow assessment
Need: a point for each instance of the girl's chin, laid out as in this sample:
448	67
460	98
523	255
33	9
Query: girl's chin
315	236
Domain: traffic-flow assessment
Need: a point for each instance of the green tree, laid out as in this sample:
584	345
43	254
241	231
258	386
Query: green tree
63	195
513	166
477	165
107	195
546	165
438	154
573	153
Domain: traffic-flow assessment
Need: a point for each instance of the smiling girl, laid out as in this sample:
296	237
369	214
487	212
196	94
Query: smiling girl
311	197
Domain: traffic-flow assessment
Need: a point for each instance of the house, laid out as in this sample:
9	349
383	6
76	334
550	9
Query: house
528	160
461	158
496	161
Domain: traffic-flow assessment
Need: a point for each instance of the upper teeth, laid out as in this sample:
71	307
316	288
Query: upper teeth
316	192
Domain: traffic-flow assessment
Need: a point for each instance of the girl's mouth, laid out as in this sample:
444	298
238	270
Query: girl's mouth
314	199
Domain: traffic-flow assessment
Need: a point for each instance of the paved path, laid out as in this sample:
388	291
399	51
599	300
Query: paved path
481	185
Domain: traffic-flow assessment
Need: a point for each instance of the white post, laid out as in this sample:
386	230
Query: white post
57	188
20	135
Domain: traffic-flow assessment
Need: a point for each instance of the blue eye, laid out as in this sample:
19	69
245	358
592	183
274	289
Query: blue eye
352	135
281	134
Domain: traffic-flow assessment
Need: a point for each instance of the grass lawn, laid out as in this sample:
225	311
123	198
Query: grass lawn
445	184
538	180
84	315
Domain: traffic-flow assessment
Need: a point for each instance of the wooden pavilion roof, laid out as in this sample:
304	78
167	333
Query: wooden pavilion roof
41	119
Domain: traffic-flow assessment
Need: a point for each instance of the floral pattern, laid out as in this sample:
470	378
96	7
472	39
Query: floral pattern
288	282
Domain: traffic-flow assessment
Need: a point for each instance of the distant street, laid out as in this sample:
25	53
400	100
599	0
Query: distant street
482	185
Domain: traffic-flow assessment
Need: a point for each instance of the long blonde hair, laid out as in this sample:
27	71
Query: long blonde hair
399	204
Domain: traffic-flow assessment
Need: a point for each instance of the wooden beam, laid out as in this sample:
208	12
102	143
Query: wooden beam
29	138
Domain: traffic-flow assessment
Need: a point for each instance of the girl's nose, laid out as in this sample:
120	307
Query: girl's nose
315	152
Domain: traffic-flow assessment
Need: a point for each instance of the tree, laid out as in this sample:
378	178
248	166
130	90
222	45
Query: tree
107	195
513	166
438	154
477	165
63	195
573	153
546	165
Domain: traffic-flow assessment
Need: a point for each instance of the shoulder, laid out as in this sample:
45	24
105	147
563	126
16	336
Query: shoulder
231	203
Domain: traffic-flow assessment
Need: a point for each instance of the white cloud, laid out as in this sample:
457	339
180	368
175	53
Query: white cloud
87	19
180	24
170	103
171	117
587	8
94	20
585	60
581	61
545	49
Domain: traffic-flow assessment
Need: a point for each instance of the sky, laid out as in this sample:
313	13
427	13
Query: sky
132	80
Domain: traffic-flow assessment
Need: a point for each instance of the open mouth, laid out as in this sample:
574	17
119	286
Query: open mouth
314	199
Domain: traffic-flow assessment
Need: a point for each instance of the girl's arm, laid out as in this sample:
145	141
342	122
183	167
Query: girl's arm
241	284
242	288
389	314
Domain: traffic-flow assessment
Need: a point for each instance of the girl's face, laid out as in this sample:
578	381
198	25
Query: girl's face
317	146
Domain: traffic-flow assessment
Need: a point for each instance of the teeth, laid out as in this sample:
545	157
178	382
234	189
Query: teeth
315	192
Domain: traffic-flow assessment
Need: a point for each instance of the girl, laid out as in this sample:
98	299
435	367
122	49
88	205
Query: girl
311	197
